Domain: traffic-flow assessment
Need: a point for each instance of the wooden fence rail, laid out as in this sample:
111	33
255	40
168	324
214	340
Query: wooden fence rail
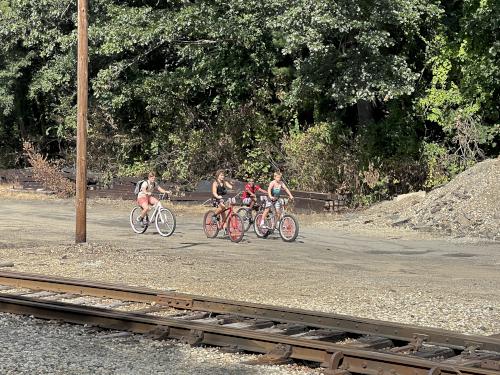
123	188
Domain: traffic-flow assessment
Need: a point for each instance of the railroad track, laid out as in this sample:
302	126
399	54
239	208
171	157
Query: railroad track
341	344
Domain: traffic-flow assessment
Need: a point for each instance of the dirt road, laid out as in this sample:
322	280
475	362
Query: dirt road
423	281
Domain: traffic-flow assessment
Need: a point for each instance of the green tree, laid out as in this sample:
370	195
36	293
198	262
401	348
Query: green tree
462	97
188	87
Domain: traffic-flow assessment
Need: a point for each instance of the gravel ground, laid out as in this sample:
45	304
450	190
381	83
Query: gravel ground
425	282
336	265
31	346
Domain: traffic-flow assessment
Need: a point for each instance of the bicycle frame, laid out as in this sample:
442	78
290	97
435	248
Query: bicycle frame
156	208
230	202
283	203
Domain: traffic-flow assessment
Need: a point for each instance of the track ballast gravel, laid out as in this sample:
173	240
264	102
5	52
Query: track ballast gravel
31	346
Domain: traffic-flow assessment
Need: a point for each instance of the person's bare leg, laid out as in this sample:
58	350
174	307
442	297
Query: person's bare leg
153	201
220	208
224	216
145	208
264	215
278	214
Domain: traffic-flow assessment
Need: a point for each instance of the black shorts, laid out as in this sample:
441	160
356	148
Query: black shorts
216	202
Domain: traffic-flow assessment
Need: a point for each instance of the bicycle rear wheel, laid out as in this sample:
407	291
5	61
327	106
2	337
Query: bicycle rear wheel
235	228
289	228
259	231
246	215
138	226
165	222
210	227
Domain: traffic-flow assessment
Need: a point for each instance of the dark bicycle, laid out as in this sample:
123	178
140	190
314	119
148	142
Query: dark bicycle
249	214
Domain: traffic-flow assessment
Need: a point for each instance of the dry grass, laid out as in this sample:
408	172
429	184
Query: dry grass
7	192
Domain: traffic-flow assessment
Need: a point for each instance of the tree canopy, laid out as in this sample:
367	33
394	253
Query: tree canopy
409	88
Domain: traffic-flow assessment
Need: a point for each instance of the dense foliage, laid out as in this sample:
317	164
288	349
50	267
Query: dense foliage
332	93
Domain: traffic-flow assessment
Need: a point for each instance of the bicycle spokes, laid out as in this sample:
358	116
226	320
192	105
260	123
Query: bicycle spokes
165	222
288	226
235	228
210	226
138	226
235	223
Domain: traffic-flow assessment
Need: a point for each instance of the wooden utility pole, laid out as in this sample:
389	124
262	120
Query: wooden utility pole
81	128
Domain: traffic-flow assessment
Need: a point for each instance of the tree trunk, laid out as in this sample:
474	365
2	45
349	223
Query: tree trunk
365	112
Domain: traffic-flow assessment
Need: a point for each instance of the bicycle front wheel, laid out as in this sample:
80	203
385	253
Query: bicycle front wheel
246	216
165	222
235	228
289	228
210	226
137	226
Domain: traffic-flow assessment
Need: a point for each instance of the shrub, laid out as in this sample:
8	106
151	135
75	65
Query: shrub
319	159
135	169
47	173
196	154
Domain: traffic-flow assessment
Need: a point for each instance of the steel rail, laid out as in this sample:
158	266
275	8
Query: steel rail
338	359
362	326
76	286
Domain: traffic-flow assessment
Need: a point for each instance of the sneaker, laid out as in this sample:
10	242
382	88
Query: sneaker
214	219
226	232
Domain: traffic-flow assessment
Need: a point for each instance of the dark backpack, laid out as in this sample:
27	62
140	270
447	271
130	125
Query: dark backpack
138	187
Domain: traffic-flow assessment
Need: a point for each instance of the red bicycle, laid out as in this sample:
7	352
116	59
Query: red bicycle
212	223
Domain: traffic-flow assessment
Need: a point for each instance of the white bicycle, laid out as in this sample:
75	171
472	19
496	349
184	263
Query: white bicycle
286	224
162	217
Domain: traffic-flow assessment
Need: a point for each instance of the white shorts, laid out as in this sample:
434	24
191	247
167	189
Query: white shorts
247	201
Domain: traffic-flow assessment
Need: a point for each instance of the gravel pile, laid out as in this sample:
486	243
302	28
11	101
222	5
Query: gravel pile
32	346
468	206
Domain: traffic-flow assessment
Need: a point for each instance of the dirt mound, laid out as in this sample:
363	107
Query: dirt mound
468	206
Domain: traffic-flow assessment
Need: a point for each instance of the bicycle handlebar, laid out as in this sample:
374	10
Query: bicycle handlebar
162	196
284	200
238	194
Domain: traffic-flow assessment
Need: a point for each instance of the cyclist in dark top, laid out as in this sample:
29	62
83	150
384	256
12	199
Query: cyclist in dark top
219	189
